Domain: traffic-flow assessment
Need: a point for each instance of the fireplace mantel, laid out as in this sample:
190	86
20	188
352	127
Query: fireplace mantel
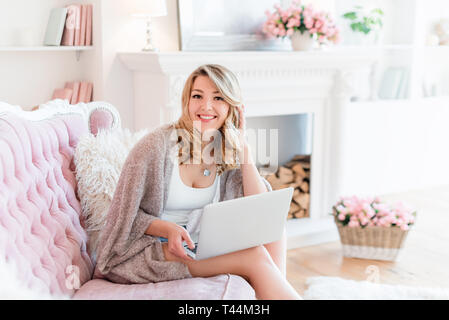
273	83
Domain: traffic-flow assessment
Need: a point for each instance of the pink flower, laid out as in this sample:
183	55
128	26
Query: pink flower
318	24
341	217
353	224
283	22
291	23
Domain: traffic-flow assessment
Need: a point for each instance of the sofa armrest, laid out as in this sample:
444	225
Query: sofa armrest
98	115
102	116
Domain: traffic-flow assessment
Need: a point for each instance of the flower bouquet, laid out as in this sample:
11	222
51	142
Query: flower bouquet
301	23
371	229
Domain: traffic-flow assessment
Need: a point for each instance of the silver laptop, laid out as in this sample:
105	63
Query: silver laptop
242	223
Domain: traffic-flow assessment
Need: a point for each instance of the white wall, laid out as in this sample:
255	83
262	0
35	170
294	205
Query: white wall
394	146
122	32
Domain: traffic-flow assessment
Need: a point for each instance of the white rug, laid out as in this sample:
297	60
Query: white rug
334	288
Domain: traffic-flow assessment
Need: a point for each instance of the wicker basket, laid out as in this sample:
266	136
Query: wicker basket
377	243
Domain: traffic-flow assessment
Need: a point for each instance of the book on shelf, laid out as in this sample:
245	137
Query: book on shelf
77	40
64	94
75	86
68	37
89	93
55	27
83	24
75	92
89	25
78	25
85	94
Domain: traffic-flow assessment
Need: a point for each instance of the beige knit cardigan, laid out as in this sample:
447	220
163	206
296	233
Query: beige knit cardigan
125	253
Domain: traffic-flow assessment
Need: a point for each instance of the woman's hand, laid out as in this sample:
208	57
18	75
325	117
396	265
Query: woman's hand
242	132
242	120
176	235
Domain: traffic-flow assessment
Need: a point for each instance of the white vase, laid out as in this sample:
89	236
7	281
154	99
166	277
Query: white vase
302	41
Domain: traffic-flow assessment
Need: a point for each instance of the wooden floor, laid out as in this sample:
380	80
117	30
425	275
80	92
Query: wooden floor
424	260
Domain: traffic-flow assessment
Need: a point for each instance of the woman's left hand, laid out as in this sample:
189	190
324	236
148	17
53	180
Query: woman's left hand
242	124
242	131
242	120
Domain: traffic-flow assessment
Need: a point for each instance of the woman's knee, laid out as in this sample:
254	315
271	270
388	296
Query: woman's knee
259	254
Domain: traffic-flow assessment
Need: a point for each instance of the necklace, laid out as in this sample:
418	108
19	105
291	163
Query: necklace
206	173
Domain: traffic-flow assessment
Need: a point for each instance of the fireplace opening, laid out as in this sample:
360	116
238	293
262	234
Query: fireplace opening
282	149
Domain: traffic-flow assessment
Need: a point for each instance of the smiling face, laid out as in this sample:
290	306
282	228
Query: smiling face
206	104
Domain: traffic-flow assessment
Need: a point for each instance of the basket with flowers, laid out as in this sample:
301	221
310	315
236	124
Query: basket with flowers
371	229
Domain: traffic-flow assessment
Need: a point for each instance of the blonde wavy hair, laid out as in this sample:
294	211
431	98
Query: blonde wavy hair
189	137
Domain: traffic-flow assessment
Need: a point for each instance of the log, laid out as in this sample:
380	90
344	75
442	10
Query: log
293	207
303	200
299	179
290	164
285	175
299	214
296	193
299	171
275	182
304	186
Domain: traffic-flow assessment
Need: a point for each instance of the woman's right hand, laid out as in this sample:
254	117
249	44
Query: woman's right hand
175	236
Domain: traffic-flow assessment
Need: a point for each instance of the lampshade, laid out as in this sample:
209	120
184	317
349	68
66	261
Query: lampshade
149	8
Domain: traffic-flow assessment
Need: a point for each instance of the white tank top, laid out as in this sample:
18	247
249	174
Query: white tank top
183	199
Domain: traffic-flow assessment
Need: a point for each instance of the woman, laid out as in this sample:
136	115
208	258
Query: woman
172	173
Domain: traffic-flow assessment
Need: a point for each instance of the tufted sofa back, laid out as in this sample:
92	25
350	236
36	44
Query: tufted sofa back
40	227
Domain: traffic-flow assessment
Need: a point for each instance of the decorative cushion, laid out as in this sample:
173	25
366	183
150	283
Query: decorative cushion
99	160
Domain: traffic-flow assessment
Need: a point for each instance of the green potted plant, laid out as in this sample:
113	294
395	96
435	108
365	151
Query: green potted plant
365	25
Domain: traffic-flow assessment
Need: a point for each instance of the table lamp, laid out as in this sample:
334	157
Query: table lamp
148	9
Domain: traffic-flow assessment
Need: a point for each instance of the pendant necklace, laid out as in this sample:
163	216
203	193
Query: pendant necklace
206	173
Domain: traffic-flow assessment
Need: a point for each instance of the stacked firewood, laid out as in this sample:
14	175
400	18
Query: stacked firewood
296	174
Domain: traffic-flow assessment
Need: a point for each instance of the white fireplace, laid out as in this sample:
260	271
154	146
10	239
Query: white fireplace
273	83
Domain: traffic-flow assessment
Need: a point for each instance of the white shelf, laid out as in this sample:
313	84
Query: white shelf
45	48
370	48
433	99
76	49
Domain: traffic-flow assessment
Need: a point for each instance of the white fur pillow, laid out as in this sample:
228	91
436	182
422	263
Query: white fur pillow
99	160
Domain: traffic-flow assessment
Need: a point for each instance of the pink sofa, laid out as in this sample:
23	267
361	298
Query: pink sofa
40	228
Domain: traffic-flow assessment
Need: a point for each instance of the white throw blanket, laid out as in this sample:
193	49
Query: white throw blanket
334	288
